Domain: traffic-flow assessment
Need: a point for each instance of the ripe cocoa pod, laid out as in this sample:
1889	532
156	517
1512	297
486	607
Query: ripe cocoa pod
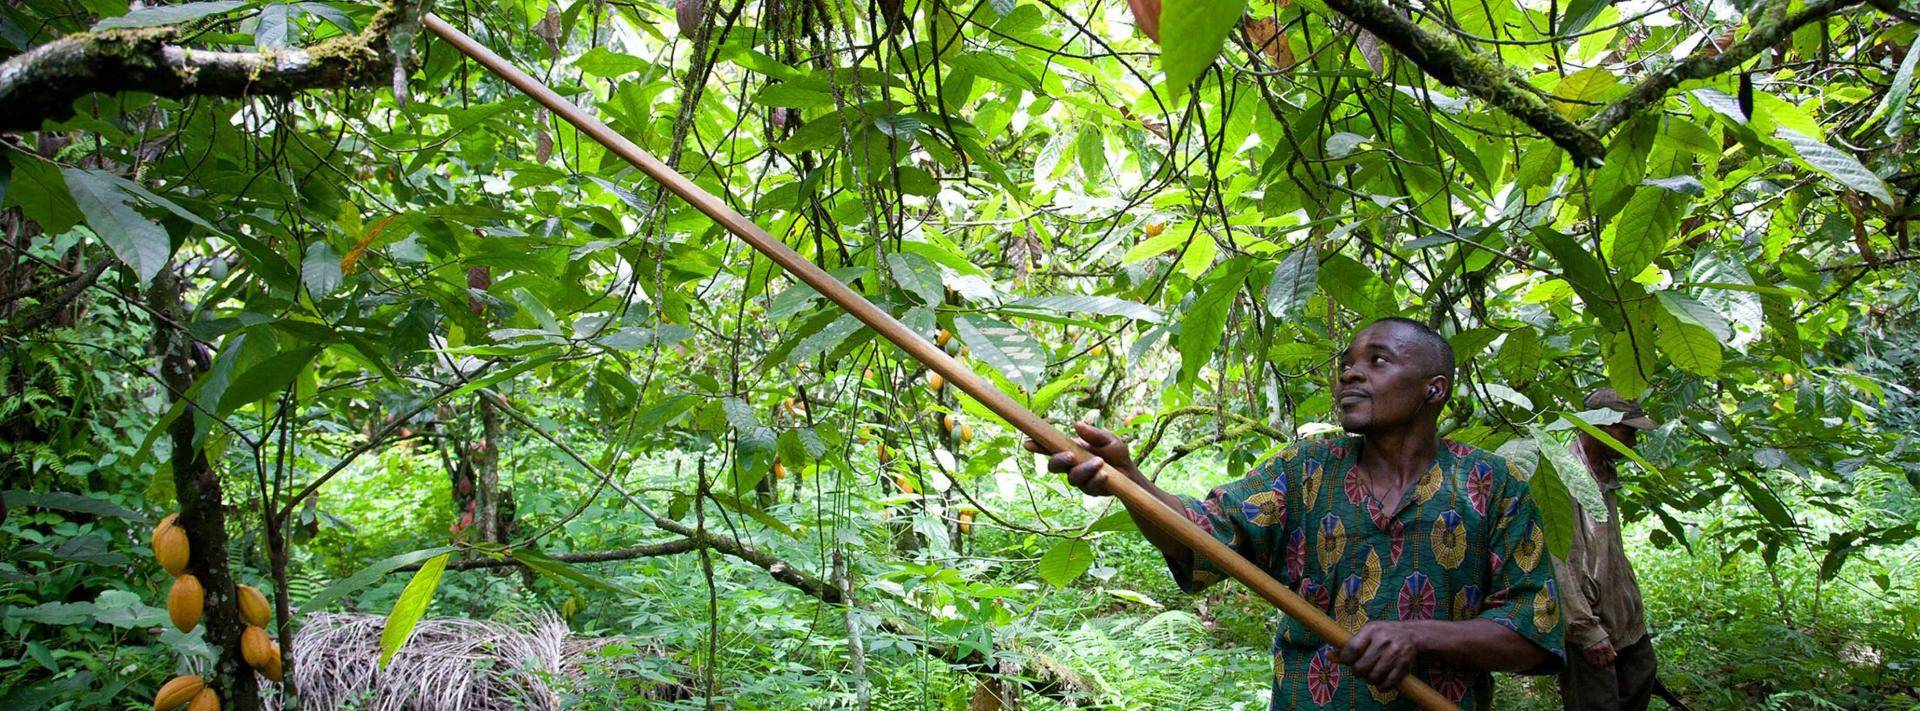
687	14
185	602
170	545
779	470
949	422
206	701
966	433
254	609
941	338
935	382
177	691
274	671
256	647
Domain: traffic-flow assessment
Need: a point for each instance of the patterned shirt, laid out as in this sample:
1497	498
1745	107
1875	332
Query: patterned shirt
1465	543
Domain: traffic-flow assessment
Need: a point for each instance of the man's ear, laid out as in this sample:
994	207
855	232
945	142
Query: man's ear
1437	389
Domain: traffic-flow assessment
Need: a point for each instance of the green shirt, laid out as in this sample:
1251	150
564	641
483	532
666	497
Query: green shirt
1466	542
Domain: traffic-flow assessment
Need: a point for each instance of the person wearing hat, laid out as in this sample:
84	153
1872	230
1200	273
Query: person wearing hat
1610	661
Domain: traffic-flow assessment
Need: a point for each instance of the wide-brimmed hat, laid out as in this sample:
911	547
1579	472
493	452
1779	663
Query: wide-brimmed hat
1630	413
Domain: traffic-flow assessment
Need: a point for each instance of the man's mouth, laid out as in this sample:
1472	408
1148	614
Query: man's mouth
1352	397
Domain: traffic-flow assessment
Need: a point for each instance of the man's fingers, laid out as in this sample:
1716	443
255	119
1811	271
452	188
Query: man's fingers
1034	447
1062	462
1091	436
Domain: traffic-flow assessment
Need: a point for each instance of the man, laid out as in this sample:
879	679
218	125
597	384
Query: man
1428	550
1610	664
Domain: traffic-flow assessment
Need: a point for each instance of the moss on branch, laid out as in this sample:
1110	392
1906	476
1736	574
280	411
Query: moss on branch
41	84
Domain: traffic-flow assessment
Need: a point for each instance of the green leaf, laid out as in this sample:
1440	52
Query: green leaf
1894	104
825	339
1579	484
1468	344
1205	321
1066	560
139	242
1353	285
40	192
1689	310
603	62
1834	163
1599	434
1520	354
1580	93
1173	236
1646	223
266	379
1691	347
411	606
1075	305
918	276
1579	14
271	30
367	576
1293	283
1191	35
500	376
1630	362
169	14
1556	509
63	501
1012	351
546	565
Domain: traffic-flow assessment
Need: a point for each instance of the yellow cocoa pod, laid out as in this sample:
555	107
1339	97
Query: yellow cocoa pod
966	433
274	671
254	609
185	602
905	485
256	647
1155	228
779	470
941	338
884	455
170	545
177	691
935	382
949	422
206	701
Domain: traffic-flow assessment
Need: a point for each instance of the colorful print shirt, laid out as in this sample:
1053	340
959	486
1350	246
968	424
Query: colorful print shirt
1466	542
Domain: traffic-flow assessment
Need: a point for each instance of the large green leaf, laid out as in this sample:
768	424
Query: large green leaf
1691	347
1573	475
1353	285
1205	321
546	565
38	189
1009	349
169	14
367	576
139	242
1068	559
1191	35
1293	283
1645	225
1556	508
1690	310
411	606
1630	362
1834	163
266	378
1074	304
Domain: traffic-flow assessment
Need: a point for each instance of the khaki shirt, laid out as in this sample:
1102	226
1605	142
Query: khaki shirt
1597	585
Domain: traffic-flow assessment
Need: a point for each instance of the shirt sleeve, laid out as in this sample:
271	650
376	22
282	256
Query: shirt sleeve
1249	515
1525	595
1583	624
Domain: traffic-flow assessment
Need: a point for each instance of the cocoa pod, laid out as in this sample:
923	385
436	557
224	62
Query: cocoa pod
170	545
185	602
177	691
206	701
254	609
256	647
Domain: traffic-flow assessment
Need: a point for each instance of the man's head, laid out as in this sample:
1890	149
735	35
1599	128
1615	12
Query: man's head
1396	373
1632	422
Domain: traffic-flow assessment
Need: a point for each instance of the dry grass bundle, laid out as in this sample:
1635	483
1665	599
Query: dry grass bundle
448	665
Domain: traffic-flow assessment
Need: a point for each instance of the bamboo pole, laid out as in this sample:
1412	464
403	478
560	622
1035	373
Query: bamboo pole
1136	498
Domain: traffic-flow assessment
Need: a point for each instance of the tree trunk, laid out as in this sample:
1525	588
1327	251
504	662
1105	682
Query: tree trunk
202	512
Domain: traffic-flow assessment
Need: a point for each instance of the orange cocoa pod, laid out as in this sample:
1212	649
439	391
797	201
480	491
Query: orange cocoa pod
254	609
206	701
170	545
185	602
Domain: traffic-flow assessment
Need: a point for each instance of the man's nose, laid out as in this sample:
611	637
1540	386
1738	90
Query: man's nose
1349	374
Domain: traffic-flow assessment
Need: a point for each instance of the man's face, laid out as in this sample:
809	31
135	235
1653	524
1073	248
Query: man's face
1384	380
1600	452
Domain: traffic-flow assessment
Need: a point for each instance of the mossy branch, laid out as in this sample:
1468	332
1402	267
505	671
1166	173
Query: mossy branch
1772	28
1457	65
41	84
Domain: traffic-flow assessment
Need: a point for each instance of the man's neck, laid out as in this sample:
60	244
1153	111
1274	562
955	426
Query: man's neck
1399	456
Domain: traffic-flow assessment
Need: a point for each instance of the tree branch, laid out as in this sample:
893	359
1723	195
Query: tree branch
41	84
1458	65
1770	30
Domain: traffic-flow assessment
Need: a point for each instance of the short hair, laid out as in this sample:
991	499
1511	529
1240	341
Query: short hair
1439	352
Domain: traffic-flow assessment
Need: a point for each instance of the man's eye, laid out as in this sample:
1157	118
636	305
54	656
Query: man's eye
1379	359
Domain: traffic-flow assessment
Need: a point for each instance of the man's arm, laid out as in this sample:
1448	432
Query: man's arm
1383	652
1584	631
1088	476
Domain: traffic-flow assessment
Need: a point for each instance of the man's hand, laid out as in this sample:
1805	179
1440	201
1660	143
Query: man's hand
1382	652
1086	474
1601	654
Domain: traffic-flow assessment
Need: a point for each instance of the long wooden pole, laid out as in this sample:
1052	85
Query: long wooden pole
1136	498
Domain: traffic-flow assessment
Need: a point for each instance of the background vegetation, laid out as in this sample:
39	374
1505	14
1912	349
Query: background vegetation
352	330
